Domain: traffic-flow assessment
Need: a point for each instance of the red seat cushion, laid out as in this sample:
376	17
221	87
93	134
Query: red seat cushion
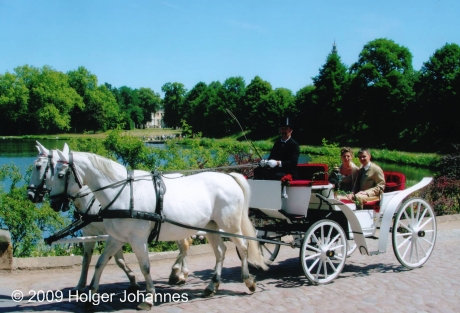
296	183
394	181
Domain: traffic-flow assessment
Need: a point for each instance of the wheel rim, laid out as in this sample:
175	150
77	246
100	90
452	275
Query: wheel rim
414	233
323	252
270	251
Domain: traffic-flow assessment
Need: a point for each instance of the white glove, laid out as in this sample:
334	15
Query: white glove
272	163
263	163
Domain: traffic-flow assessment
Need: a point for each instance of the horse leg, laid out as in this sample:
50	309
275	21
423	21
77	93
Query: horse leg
111	247
88	248
120	260
248	279
219	251
179	271
140	249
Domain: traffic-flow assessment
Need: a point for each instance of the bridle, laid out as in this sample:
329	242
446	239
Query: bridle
65	196
42	189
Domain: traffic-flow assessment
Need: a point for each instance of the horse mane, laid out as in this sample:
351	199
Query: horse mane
106	166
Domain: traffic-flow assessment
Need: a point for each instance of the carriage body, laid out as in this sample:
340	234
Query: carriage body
307	213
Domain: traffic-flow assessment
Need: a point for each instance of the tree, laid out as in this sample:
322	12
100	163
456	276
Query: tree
100	111
255	107
172	103
379	93
25	221
149	102
327	96
280	102
438	96
14	97
306	116
196	101
231	97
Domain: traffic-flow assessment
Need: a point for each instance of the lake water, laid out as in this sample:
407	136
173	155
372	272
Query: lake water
23	152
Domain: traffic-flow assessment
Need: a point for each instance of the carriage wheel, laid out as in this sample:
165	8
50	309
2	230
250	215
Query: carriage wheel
269	251
414	233
323	252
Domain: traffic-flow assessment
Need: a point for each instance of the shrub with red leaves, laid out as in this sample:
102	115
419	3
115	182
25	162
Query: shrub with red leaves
444	195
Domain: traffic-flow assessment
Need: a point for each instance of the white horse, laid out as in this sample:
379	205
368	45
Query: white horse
211	200
41	183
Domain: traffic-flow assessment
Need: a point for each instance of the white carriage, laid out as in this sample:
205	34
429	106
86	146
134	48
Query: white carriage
328	230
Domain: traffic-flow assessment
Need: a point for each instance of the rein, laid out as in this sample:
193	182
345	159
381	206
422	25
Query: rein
157	217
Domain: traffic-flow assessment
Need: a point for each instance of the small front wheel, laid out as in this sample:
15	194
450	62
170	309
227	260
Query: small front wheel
414	233
323	252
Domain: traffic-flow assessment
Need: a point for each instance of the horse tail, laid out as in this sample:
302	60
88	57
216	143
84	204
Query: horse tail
254	252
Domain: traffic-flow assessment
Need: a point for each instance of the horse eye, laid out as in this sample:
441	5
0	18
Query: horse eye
61	175
39	166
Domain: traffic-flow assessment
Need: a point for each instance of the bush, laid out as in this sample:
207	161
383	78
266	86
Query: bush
449	165
444	195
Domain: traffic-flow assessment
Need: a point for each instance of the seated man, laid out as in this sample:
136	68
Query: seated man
283	157
371	180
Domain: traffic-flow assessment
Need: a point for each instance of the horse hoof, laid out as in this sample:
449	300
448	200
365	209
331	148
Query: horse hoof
253	287
208	293
79	289
176	281
145	306
133	289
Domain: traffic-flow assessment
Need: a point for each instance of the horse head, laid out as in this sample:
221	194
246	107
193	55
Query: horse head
42	172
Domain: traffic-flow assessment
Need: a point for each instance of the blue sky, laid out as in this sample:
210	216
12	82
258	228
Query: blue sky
148	43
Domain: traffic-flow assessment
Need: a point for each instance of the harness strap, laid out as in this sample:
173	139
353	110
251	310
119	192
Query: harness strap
77	225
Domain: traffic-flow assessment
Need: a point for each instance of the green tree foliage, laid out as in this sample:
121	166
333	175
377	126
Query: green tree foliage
327	104
173	103
130	150
197	101
256	107
14	97
149	102
231	97
101	110
25	221
379	92
438	90
280	102
305	119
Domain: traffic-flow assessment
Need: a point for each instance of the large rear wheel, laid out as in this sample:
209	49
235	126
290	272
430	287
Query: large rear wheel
414	233
323	252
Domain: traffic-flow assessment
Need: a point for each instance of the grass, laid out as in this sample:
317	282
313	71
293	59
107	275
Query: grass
149	132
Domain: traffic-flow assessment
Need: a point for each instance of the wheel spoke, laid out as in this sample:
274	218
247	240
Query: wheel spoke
419	243
426	222
335	247
331	264
314	248
329	236
312	256
404	226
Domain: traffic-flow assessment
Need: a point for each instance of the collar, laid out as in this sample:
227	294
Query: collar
367	166
284	141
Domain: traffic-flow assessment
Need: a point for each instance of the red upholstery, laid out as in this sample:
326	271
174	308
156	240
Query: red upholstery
306	171
394	181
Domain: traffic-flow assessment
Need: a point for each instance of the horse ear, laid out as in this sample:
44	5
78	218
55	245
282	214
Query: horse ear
62	156
42	149
66	149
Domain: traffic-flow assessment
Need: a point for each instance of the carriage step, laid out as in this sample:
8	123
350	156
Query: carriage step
292	216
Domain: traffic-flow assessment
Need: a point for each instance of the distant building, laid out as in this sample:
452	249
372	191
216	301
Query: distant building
157	120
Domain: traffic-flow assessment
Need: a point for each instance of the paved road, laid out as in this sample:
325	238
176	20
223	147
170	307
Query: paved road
366	284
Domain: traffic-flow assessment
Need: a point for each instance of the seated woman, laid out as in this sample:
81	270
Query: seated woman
348	169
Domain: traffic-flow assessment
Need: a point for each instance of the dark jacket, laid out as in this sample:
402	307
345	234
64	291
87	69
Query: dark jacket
288	153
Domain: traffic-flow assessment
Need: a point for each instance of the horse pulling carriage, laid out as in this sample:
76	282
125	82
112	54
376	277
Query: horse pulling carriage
328	230
325	229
